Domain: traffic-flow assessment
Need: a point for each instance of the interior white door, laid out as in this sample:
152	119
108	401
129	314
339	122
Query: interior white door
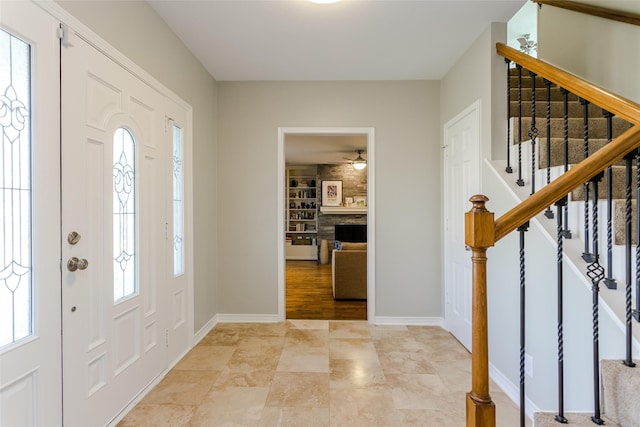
461	181
113	227
30	344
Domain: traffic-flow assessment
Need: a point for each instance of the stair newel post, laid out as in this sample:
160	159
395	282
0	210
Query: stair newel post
520	181
522	230
548	213
595	272
566	233
560	207
479	235
586	255
533	132
508	169
609	281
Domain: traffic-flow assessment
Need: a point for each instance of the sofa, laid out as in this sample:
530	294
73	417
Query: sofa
349	271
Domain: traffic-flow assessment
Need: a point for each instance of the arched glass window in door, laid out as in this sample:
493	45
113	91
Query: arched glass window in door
124	215
16	289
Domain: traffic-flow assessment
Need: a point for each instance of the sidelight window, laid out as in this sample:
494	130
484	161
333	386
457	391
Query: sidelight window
178	202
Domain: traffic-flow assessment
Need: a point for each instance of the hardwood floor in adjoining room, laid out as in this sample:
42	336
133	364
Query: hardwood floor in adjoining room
309	294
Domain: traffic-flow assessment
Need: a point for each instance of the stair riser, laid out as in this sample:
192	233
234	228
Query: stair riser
619	187
557	110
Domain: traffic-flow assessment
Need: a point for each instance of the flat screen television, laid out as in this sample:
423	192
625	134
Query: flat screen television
351	232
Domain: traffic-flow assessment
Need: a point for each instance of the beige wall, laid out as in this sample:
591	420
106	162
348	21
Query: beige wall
602	51
405	116
137	31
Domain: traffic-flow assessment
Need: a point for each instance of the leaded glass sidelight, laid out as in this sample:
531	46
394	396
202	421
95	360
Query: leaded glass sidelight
16	287
178	202
124	215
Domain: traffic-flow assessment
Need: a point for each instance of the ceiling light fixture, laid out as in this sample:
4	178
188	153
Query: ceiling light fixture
324	1
359	163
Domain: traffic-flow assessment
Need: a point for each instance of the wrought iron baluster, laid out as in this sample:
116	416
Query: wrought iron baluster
560	206
548	213
566	233
609	281
522	229
508	169
520	182
627	249
628	361
533	132
587	255
595	272
636	312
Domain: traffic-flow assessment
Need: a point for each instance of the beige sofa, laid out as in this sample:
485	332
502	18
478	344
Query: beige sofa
349	271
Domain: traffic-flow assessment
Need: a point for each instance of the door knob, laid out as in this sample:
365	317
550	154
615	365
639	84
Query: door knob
77	264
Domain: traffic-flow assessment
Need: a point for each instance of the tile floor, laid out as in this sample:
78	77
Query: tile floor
317	373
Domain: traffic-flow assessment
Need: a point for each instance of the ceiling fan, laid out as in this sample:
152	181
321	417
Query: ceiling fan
527	46
359	162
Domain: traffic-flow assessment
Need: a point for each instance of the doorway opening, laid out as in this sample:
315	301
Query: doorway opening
320	191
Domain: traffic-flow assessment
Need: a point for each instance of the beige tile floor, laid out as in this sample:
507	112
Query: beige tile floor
317	373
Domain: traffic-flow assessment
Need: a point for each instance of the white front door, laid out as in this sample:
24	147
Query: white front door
30	345
114	235
461	181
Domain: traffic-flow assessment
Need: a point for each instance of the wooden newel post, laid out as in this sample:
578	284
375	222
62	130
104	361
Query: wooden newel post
479	235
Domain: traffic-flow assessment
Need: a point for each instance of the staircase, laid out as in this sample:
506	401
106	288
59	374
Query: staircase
619	384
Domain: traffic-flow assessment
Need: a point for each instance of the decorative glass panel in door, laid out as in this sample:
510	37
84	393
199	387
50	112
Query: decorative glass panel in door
15	185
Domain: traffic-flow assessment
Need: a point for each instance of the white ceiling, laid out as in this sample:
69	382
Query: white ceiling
323	149
349	40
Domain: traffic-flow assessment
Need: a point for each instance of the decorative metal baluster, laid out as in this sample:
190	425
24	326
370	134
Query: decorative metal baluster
609	281
548	213
628	360
533	132
566	233
587	255
522	229
560	206
627	249
636	312
595	272
520	182
508	169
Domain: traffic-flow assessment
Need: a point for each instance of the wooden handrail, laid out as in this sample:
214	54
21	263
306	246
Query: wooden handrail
599	11
574	177
616	104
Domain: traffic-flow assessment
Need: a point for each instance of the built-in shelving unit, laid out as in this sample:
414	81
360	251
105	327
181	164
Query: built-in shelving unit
302	213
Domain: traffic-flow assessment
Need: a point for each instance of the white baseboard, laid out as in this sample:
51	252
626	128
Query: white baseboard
205	330
411	321
247	318
511	390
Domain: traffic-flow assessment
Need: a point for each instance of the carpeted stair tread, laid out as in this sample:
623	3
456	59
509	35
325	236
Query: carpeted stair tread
541	95
619	188
620	385
597	128
547	419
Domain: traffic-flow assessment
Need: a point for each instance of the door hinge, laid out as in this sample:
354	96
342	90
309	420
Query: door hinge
166	231
166	338
66	35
